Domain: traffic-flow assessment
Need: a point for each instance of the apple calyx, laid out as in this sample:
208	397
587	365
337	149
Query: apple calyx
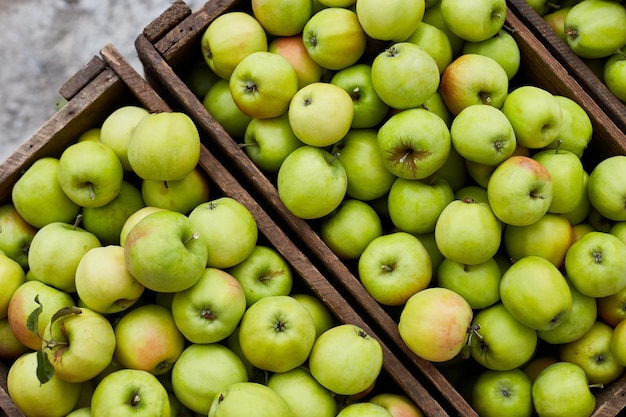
279	326
571	32
207	314
392	51
251	87
596	256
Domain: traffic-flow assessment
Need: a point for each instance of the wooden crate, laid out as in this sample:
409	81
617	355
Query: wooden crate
109	82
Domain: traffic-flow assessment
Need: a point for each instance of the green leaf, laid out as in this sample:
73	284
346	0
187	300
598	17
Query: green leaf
45	370
33	319
65	311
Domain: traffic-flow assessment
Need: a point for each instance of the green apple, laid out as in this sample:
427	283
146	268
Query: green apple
364	409
434	41
15	234
537	364
478	284
133	219
393	75
228	230
415	205
595	264
292	49
607	186
583	209
502	342
321	313
282	18
566	171
103	282
576	127
473	79
321	113
562	389
613	74
164	252
117	128
93	133
250	399
199	77
495	393
130	392
148	339
210	310
12	276
555	19
618	343
229	38
536	293
434	323
277	333
346	360
10	347
399	405
474	21
612	308
592	352
369	108
202	371
502	47
368	177
596	29
182	195
56	398
220	104
520	190
164	147
483	134
334	38
433	16
303	394
390	20
468	232
311	182
454	170
415	143
350	228
265	272
267	142
474	192
56	250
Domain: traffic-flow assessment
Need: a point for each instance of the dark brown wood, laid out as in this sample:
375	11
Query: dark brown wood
79	80
177	12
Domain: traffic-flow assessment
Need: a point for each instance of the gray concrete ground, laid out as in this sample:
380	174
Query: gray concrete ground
44	42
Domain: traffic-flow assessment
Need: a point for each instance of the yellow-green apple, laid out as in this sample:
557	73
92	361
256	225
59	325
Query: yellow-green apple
15	234
229	38
520	190
596	29
56	398
250	399
473	79
282	17
434	323
614	73
130	392
536	293
12	275
262	84
148	339
90	173
399	405
390	20
415	205
549	237
566	171
220	104
365	408
106	221
182	195
495	393
79	345
619	229
368	177
117	128
576	128
555	19
232	342
474	21
583	209
350	228
267	142
263	273
436	105
199	77
39	187
292	49
596	264
435	42
502	47
228	230
618	343
481	173
321	113
433	16
303	394
133	219
164	146
468	232
581	318
562	389
475	192
311	182
393	75
607	186
453	171
90	134
210	310
501	342
351	349
537	364
80	412
103	282
202	371
334	38
612	308
335	3
592	352
164	253
10	347
277	333
415	143
322	316
581	229
479	284
393	267
56	250
535	115
483	134
369	108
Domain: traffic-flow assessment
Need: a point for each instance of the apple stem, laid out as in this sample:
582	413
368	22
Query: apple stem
51	344
386	268
79	218
194	236
559	142
92	194
601	386
571	33
473	331
165	185
620	53
508	28
135	400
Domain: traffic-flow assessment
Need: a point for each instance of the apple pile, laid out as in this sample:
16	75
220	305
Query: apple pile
595	30
456	192
130	289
